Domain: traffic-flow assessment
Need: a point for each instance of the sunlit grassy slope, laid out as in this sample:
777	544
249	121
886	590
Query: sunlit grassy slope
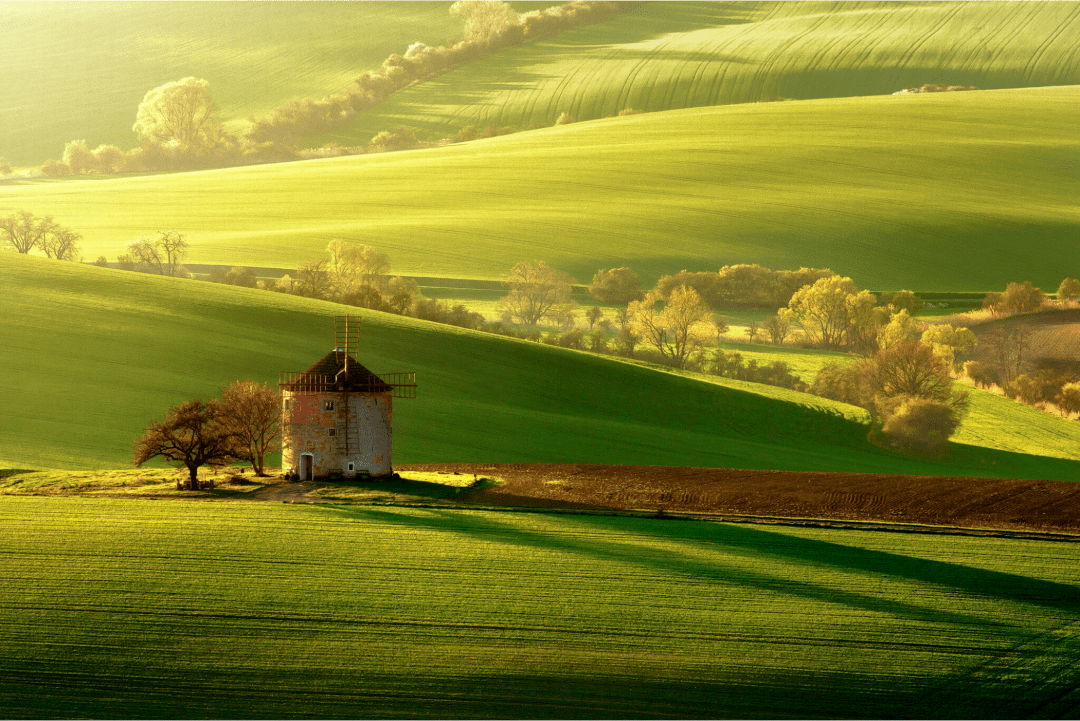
676	55
952	191
180	609
79	70
90	355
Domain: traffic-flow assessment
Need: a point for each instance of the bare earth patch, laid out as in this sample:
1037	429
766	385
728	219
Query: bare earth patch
1044	506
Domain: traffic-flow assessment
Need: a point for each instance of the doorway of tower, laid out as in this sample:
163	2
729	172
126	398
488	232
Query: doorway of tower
307	467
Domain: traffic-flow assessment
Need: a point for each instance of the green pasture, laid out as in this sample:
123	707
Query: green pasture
954	191
663	56
90	355
103	57
179	609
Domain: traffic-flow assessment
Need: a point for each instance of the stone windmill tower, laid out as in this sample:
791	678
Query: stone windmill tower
336	416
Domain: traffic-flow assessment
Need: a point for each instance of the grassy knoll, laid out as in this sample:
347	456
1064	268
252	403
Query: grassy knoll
120	608
893	191
105	56
91	354
680	55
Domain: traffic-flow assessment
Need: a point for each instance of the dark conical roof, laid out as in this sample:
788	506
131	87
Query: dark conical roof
358	380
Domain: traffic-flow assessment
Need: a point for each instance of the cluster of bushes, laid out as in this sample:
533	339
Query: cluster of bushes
731	365
908	389
744	286
935	88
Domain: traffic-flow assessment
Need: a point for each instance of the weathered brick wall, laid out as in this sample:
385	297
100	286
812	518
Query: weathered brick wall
363	432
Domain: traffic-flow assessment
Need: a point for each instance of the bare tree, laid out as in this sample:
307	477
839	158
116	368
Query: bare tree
313	280
752	329
147	256
779	327
671	331
179	113
174	249
61	243
252	412
400	294
23	230
193	434
536	292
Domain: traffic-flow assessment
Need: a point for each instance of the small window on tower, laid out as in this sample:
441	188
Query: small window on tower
328	405
351	468
288	403
333	431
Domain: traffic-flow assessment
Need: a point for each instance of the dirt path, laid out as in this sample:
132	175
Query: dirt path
284	491
1043	506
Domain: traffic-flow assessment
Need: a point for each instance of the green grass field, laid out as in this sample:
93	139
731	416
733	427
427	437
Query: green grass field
123	608
103	57
90	355
947	191
680	55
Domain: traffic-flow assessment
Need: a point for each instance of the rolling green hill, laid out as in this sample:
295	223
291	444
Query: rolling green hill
186	609
90	355
663	56
949	191
79	70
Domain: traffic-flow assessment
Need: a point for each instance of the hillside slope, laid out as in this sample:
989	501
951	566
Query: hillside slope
663	56
951	191
103	57
91	354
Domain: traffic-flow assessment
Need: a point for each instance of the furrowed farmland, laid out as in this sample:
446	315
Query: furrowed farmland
680	55
188	609
894	191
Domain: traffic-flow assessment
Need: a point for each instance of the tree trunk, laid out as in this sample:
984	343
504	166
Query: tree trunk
193	481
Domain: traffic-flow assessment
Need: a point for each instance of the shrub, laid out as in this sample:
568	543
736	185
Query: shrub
919	425
573	338
981	374
844	382
616	286
563	119
102	262
1068	290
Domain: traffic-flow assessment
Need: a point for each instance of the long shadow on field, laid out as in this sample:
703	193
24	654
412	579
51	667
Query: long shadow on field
665	561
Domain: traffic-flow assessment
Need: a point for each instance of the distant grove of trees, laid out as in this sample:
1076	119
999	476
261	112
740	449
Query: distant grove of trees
178	126
904	376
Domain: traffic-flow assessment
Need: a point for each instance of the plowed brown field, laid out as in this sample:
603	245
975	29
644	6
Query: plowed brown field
1014	505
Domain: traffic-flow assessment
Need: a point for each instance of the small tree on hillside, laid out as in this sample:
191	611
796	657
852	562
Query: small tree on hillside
180	114
1069	290
778	327
61	243
537	292
672	331
593	314
313	280
752	329
22	230
615	286
823	310
252	413
193	434
1023	298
